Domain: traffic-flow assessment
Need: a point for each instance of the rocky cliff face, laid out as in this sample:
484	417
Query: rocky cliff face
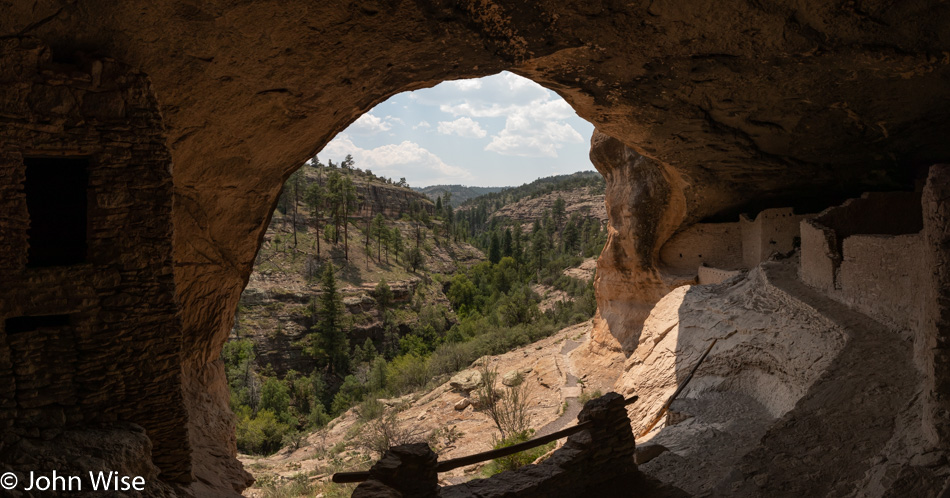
645	204
585	202
730	103
388	200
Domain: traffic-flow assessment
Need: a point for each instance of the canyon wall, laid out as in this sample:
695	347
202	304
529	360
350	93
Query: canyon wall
714	108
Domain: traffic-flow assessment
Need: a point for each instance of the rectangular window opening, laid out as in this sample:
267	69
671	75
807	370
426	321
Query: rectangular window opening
20	324
56	198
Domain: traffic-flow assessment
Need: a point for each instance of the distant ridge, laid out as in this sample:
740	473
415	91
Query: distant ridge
460	193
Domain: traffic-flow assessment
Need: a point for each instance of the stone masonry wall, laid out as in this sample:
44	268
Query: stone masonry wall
713	244
709	275
115	357
867	253
882	276
932	347
730	246
773	230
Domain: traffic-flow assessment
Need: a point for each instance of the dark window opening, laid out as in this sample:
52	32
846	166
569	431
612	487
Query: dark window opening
56	198
22	324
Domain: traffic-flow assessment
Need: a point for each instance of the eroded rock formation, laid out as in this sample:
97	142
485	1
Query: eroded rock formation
731	105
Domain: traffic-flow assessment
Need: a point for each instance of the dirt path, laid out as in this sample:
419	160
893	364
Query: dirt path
570	391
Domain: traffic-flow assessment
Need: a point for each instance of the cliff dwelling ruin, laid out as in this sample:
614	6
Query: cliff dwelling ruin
787	156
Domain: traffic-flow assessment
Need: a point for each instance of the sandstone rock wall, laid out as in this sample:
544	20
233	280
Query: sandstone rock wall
389	201
645	205
95	339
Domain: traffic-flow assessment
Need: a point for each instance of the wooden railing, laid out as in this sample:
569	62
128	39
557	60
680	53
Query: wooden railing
447	465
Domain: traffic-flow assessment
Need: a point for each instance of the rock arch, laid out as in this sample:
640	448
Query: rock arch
732	102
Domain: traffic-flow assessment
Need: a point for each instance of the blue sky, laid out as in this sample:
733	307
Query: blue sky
494	131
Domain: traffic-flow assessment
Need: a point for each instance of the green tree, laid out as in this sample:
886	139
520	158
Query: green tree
494	249
378	375
293	183
348	196
557	212
415	260
462	292
379	229
275	396
517	251
539	246
384	295
329	343
395	241
351	392
315	199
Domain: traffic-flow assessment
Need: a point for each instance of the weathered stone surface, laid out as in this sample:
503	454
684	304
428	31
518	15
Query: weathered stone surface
645	204
512	378
462	404
466	380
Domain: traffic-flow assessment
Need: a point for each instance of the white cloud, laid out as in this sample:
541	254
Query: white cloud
536	119
463	127
465	85
526	138
369	124
406	159
422	124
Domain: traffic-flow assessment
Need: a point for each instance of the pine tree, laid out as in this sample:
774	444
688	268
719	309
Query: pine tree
395	238
384	295
506	243
379	226
314	197
330	343
494	249
348	196
558	211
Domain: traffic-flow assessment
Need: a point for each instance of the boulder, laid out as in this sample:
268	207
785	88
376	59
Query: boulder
466	380
512	378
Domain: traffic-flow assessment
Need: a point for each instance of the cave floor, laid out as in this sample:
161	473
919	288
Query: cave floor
847	436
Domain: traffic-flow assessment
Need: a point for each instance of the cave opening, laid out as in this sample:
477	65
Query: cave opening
56	197
459	138
22	324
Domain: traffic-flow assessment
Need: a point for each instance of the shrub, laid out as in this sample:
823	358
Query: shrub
507	408
519	459
370	409
408	372
587	396
380	434
260	434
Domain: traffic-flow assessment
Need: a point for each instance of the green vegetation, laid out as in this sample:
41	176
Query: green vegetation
460	193
519	459
448	320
